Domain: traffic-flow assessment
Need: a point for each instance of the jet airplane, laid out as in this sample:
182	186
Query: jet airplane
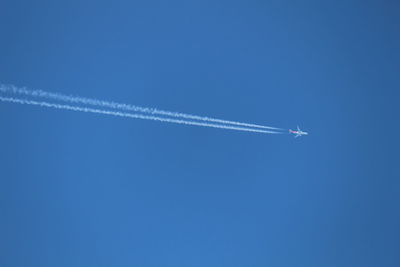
298	132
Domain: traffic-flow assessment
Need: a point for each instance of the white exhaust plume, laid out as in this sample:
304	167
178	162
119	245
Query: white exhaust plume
129	115
122	107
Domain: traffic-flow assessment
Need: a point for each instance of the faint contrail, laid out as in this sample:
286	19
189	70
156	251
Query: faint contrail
129	115
120	106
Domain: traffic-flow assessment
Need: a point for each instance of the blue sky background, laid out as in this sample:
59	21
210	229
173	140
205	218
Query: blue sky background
90	190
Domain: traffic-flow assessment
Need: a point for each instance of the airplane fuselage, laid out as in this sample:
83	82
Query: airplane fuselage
298	133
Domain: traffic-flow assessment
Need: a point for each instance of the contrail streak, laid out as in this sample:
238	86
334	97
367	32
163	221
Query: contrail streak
120	106
129	115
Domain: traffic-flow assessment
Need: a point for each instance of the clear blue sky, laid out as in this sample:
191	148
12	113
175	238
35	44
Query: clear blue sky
89	190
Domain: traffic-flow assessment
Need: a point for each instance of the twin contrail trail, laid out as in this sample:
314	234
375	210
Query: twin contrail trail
124	110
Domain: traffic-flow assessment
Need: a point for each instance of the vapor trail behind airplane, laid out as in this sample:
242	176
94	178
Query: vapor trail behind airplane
129	115
122	107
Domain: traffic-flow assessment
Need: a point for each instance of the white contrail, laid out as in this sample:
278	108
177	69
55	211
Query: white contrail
120	106
129	115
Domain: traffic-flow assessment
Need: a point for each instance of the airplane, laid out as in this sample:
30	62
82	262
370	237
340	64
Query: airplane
298	132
